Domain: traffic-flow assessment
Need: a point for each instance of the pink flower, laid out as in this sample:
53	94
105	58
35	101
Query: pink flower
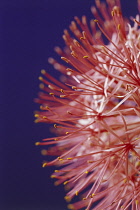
96	110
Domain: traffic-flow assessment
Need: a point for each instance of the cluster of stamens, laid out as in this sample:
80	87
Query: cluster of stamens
95	109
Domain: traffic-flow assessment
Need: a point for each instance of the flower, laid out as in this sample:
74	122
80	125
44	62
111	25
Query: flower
95	109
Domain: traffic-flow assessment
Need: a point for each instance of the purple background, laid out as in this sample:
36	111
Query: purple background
29	30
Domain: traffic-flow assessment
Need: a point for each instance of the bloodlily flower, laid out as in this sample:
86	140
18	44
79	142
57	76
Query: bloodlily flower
95	109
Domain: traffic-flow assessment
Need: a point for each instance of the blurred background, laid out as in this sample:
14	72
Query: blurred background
29	31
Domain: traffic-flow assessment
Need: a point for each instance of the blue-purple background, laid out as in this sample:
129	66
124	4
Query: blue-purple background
29	30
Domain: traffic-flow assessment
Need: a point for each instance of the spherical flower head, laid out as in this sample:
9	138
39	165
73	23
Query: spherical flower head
95	109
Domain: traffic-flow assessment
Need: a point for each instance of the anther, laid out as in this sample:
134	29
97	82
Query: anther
43	71
44	152
51	87
41	107
92	195
66	182
137	22
65	59
116	11
69	112
62	96
125	180
36	121
55	126
62	91
44	117
76	43
74	54
53	176
112	13
85	56
40	78
44	165
136	201
59	158
37	143
58	50
82	38
137	164
74	87
67	198
119	26
47	108
56	183
76	193
41	86
36	115
70	206
68	69
96	21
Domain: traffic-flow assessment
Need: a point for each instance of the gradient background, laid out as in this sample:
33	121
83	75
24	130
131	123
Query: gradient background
29	30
